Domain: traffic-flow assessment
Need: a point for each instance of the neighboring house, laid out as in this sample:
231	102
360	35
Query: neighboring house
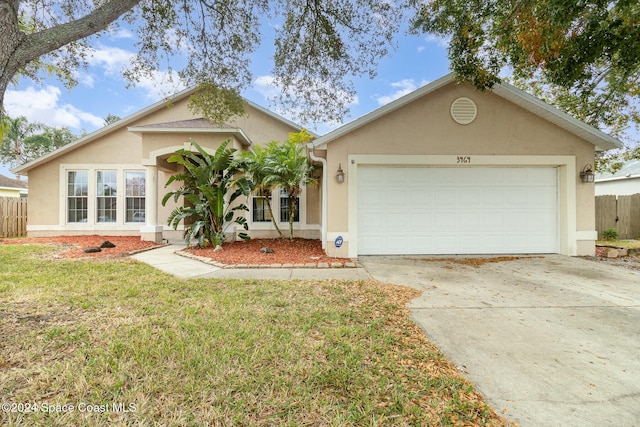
624	182
12	187
443	170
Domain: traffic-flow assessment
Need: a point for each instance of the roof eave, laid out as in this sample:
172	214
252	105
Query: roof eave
24	169
239	133
616	178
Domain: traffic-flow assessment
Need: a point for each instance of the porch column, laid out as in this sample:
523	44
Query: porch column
151	230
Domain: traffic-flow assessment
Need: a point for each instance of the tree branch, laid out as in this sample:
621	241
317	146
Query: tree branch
45	41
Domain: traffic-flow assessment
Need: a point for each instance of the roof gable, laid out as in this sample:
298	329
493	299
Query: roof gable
599	139
130	121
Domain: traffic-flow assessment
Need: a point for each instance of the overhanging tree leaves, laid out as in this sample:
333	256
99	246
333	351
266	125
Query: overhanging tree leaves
583	57
318	44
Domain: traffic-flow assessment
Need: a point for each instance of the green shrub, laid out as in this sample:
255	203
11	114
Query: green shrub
610	234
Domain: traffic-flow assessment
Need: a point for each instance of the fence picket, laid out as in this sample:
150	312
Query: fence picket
619	212
13	217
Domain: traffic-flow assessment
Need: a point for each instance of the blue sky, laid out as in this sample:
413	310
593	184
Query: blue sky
102	90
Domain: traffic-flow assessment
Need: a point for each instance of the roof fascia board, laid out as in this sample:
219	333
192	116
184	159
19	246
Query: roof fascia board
617	178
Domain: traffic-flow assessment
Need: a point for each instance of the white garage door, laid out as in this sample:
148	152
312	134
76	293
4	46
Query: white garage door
469	210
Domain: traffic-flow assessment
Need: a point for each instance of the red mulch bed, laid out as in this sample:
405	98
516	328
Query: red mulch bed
296	251
124	245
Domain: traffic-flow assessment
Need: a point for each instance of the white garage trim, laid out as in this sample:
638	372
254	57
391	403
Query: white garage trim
566	185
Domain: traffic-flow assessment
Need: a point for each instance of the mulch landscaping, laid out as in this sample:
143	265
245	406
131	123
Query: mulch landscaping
73	246
284	251
270	252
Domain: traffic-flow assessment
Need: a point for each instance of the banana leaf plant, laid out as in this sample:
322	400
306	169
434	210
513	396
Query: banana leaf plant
210	188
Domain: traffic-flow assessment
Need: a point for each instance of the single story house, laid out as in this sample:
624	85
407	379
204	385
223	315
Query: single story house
10	187
624	182
443	170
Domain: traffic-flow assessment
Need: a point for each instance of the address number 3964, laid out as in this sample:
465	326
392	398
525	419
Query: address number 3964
463	159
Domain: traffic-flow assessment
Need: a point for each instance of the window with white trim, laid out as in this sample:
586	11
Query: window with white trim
285	209
77	195
135	183
106	195
260	209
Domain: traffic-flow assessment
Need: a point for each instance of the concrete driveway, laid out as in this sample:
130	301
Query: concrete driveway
549	341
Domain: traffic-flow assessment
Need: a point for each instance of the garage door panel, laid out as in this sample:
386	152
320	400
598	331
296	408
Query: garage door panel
457	210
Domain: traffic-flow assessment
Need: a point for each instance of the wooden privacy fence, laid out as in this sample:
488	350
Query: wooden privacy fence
13	217
619	212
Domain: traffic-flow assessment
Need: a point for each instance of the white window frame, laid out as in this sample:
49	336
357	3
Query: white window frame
92	223
275	206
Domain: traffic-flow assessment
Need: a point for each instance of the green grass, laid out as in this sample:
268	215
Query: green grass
216	352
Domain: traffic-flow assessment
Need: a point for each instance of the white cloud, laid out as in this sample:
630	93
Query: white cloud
42	105
112	59
438	40
160	84
403	87
122	33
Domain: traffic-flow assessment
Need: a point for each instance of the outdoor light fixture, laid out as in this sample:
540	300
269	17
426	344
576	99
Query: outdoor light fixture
587	174
340	174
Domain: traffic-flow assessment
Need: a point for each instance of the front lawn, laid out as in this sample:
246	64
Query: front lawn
119	343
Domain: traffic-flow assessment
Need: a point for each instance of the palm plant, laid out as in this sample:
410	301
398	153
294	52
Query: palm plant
207	180
287	166
253	162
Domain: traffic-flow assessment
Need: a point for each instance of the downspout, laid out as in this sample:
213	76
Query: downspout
323	225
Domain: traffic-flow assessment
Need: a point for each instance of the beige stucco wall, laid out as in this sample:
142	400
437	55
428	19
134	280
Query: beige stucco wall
425	127
121	147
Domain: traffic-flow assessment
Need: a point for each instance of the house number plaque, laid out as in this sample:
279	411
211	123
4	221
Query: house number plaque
463	159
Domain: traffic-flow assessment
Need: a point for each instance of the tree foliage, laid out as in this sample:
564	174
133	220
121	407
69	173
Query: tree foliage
208	194
24	141
287	166
319	44
280	165
583	57
253	163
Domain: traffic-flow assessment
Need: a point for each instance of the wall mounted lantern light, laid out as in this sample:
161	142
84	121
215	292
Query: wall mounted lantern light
587	174
340	174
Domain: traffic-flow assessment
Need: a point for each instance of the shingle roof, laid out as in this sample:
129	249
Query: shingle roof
630	169
12	183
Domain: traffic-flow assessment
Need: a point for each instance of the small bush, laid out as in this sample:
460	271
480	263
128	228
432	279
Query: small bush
610	234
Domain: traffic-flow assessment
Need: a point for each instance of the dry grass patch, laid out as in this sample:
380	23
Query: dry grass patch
216	352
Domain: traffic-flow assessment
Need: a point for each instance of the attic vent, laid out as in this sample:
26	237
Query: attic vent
463	110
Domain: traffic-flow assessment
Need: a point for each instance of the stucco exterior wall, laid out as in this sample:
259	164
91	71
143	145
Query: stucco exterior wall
142	151
425	127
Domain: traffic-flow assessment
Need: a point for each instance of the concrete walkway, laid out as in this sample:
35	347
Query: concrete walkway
166	259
